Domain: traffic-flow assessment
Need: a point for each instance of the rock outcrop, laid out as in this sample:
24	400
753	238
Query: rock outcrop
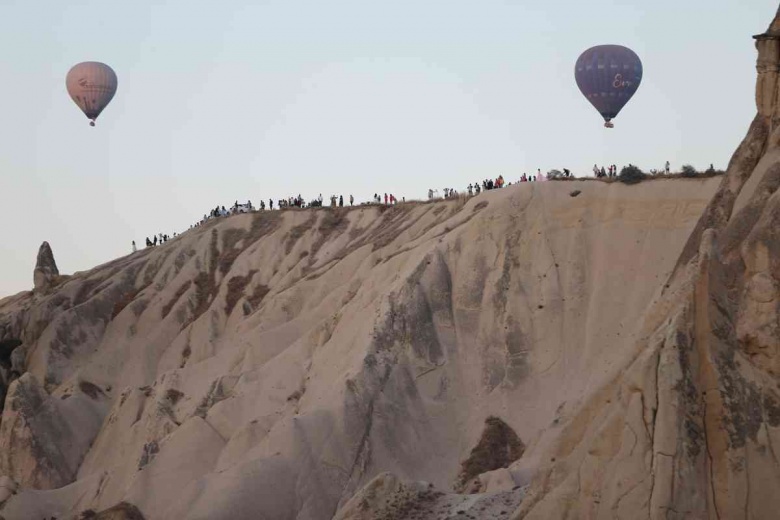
388	498
610	355
45	268
43	439
691	428
272	364
768	68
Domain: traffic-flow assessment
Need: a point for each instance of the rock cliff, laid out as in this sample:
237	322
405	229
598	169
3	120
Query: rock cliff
271	364
522	354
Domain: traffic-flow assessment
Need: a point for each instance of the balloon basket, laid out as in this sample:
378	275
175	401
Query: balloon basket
607	124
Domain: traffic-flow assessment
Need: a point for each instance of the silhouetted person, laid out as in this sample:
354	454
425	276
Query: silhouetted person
154	242
341	201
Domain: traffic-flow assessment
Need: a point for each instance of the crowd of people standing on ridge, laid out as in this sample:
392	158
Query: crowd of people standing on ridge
390	199
610	172
159	238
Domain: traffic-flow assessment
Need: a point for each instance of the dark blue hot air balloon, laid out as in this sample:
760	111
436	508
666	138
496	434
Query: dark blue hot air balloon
608	75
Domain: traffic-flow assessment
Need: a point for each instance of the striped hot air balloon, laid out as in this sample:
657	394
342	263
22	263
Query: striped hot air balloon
608	76
91	85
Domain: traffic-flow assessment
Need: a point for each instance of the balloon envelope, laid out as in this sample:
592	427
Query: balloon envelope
608	75
91	85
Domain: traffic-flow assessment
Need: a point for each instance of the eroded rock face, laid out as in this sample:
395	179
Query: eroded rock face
302	353
693	422
45	268
44	439
768	68
690	426
30	452
342	363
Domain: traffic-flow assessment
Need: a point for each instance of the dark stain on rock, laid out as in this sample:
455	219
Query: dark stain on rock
173	395
498	447
503	283
695	437
121	511
693	406
149	451
91	390
236	287
178	294
517	347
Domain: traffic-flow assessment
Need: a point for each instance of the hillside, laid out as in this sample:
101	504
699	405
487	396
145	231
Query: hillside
275	362
546	350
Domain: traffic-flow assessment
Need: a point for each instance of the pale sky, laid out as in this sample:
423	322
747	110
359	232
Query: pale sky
219	101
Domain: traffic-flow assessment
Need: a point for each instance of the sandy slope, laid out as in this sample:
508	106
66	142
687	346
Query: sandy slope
269	365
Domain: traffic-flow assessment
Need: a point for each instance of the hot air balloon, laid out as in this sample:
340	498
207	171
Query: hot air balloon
608	75
91	85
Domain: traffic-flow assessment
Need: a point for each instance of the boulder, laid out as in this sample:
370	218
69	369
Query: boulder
496	481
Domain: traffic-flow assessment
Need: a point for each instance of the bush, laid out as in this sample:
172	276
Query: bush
689	171
631	175
711	172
